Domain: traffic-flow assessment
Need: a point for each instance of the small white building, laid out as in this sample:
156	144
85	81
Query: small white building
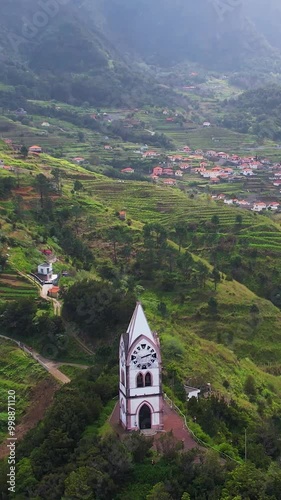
191	392
46	271
259	206
247	172
274	205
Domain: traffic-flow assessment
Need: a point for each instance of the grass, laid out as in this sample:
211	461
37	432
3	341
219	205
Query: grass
71	371
229	345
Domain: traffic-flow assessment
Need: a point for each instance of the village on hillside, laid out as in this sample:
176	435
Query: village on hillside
224	176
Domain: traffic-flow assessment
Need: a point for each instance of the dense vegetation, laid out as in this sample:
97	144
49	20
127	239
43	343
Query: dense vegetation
74	454
256	111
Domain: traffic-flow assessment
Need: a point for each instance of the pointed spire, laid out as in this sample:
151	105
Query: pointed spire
138	325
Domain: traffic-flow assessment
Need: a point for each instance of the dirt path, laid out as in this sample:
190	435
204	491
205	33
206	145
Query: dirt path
56	303
41	399
51	367
48	364
79	341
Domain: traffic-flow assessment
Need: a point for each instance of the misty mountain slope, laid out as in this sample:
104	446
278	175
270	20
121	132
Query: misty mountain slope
266	14
88	51
167	32
68	58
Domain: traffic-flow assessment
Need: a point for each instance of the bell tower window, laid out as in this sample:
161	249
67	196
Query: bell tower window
140	380
148	381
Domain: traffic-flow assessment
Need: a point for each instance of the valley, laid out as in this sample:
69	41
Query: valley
140	163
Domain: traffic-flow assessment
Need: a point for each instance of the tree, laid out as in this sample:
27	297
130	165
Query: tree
250	386
245	482
185	496
43	187
159	492
78	186
57	178
203	273
77	484
81	136
181	233
25	476
138	445
24	151
120	235
239	219
17	317
215	220
76	212
216	276
168	445
213	305
88	303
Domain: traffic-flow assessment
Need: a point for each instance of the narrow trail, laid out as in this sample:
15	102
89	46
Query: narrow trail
48	364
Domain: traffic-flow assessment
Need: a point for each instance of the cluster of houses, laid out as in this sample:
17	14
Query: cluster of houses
230	167
217	167
255	206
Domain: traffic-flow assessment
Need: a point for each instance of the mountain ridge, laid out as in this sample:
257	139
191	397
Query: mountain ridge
101	52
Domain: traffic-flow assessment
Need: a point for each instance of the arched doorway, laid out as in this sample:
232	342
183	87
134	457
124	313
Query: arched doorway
145	417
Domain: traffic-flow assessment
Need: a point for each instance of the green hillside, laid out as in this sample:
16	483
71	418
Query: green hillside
185	256
20	373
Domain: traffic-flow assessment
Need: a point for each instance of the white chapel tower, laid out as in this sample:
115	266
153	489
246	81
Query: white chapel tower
140	386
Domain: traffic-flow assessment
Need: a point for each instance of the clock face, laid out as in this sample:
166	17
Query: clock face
143	357
122	353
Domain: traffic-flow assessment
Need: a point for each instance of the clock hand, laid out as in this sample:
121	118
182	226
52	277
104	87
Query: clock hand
145	356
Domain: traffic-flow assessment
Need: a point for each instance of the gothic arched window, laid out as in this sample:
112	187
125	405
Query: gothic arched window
148	380
122	377
140	380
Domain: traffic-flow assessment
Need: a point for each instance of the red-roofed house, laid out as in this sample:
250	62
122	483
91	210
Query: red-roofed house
273	205
259	206
170	182
247	172
157	171
35	149
128	170
150	154
168	171
54	292
79	160
223	155
122	215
